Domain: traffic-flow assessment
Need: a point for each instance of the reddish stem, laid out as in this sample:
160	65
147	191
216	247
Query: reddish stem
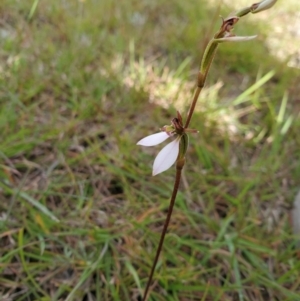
165	228
192	108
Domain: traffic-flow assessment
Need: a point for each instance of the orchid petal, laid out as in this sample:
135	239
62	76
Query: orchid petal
235	39
154	139
166	157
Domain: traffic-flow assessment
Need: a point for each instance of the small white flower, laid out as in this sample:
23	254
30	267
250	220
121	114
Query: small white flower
167	156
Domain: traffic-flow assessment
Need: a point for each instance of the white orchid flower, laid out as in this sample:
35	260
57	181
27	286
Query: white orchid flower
167	156
173	151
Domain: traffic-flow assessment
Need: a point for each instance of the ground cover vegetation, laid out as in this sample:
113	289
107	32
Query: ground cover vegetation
80	215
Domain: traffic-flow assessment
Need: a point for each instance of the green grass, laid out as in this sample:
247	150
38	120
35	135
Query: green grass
80	215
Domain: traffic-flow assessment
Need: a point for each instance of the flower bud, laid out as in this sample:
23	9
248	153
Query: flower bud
263	5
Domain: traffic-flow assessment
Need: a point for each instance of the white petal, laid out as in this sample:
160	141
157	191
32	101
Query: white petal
235	39
166	157
154	139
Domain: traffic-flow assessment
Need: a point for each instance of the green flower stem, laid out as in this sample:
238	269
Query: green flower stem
179	167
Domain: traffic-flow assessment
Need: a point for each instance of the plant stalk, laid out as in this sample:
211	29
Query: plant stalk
224	34
192	107
166	225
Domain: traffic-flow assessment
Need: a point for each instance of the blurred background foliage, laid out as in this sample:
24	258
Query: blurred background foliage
80	214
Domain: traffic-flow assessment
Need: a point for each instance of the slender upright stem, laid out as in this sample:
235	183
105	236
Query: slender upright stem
165	228
192	108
